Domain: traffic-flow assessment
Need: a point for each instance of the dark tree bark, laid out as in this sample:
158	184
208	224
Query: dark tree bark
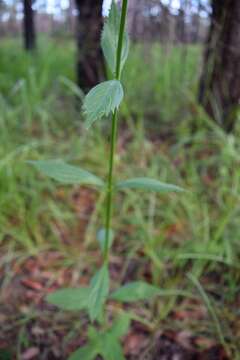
220	82
28	26
180	26
196	24
90	64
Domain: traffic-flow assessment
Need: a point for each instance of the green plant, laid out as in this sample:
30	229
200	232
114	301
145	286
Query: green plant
101	101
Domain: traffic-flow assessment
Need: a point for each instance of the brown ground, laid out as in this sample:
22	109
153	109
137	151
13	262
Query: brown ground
36	330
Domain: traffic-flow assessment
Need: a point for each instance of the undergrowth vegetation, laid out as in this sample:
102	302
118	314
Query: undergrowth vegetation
164	135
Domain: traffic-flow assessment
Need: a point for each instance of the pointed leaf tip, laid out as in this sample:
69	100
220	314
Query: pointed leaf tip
140	290
101	238
148	184
109	39
99	289
135	291
87	352
121	325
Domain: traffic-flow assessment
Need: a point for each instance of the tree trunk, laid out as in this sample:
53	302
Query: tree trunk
180	26
70	17
195	38
28	26
90	65
220	82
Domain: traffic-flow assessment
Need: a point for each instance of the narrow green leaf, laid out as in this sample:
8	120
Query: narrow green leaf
72	87
102	100
209	306
91	350
148	184
99	289
135	291
120	326
66	174
139	290
111	348
88	352
70	298
93	334
101	238
110	39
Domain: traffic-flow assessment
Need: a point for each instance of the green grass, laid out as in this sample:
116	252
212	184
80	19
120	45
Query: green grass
195	232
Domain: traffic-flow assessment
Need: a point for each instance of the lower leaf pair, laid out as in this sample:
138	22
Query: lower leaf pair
75	299
105	343
69	174
92	300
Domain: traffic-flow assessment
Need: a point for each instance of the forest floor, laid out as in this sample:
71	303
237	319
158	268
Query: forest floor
39	331
48	232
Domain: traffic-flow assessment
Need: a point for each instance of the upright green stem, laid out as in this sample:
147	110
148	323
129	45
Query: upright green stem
114	134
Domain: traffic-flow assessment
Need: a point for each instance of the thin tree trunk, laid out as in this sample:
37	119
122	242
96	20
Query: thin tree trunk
28	26
220	82
180	28
196	25
90	65
70	17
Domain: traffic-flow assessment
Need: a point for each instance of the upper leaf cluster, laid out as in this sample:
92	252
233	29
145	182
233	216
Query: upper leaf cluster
107	96
109	40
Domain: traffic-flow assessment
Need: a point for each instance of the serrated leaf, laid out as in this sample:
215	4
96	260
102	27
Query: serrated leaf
109	39
99	289
70	299
102	100
148	184
120	326
139	290
101	238
88	352
66	174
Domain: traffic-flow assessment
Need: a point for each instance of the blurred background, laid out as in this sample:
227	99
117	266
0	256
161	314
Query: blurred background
179	123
